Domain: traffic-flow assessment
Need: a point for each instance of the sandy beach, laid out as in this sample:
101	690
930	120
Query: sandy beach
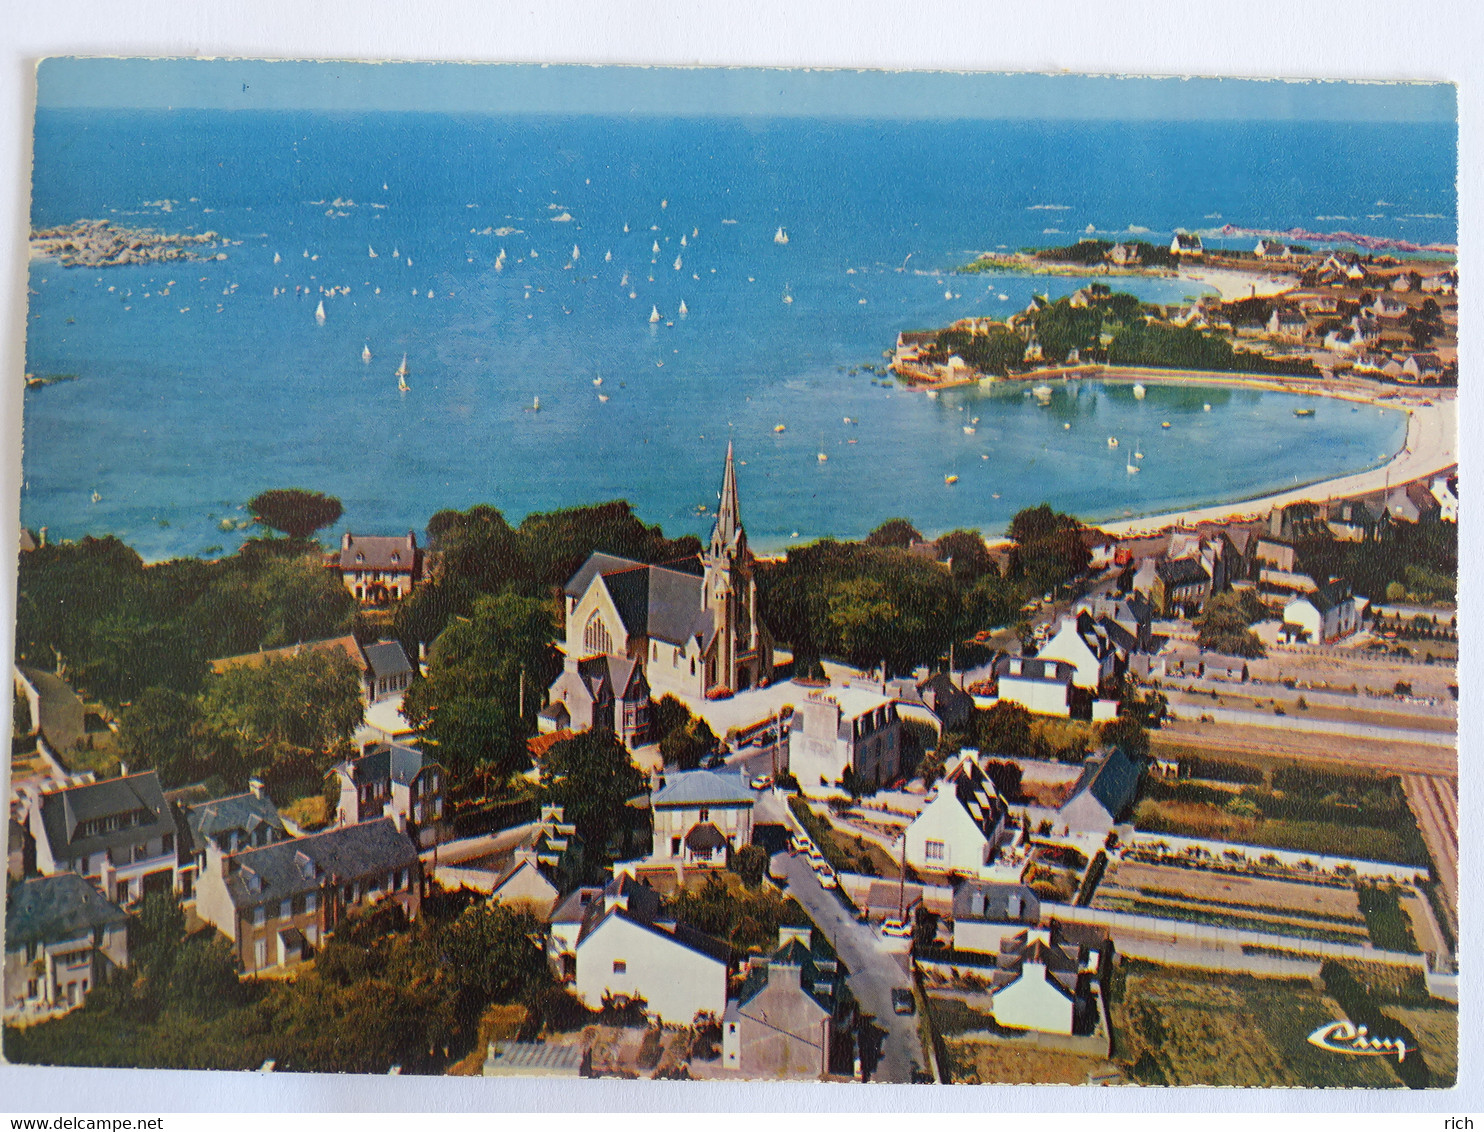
1431	447
1234	285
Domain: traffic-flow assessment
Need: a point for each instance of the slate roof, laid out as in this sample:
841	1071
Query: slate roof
63	713
246	813
820	978
1181	571
994	903
387	658
346	644
1112	780
56	908
305	864
1327	596
388	762
977	795
704	838
1033	669
1061	968
703	787
63	811
395	553
662	602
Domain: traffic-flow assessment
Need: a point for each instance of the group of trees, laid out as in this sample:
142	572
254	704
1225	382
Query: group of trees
875	604
1223	625
1419	559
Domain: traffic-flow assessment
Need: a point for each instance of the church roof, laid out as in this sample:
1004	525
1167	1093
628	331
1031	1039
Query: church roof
662	602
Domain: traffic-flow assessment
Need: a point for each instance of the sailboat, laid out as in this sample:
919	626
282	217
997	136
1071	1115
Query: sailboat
402	372
365	353
823	456
597	381
396	254
624	282
603	397
787	298
535	404
1138	391
1042	393
607	257
677	263
1137	454
682	239
319	313
626	229
694	232
277	258
780	237
654	315
1112	442
575	253
1131	467
683	310
370	252
500	260
1206	408
656	249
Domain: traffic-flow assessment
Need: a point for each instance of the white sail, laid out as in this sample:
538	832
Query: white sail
402	386
370	252
694	232
277	258
365	353
402	370
1138	391
396	254
575	253
677	263
682	239
654	314
656	249
319	313
683	311
625	228
624	282
607	257
780	237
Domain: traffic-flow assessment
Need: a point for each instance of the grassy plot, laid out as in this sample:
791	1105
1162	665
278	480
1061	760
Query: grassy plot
1176	1026
1387	922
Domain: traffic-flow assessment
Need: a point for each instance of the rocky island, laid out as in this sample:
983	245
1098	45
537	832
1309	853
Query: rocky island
97	243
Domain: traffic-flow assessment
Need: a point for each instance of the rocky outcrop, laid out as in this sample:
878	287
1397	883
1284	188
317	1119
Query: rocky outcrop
97	243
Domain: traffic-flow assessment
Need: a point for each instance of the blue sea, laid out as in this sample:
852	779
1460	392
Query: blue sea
198	387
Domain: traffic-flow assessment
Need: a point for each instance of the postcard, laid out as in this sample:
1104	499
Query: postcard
737	575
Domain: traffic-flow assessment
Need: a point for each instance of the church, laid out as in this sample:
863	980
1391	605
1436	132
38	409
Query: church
636	631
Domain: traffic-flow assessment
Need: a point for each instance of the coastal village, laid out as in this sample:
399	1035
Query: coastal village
571	799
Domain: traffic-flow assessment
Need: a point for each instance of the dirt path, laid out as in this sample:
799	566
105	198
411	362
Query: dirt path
1434	801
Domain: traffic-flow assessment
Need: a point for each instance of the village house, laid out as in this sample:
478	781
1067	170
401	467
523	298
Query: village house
1422	369
212	830
1387	308
1130	615
1287	325
1354	520
1443	283
59	718
690	628
378	569
700	817
1412	503
62	940
276	904
962	825
1125	255
1186	244
1046	982
545	864
118	834
1271	249
1103	792
1444	490
1324	616
393	781
985	914
1180	586
793	1015
840	729
382	668
626	951
1084	644
1044	687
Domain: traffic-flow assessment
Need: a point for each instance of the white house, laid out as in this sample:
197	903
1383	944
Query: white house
1102	793
1050	979
62	939
985	914
1326	615
118	833
395	781
699	816
962	824
1040	686
1078	642
1185	243
1443	492
840	729
625	951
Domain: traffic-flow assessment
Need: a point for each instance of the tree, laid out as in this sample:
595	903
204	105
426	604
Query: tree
492	950
287	717
686	745
894	533
932	766
1126	734
1004	729
669	713
469	706
1222	627
167	731
294	511
593	778
968	555
751	864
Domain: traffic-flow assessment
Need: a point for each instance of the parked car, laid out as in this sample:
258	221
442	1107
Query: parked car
828	880
762	782
797	844
901	929
902	1001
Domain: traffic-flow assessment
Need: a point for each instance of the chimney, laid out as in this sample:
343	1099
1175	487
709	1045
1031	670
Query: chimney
42	535
123	769
255	788
345	541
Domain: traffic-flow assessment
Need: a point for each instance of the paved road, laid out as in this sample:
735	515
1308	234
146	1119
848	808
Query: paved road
874	971
1189	705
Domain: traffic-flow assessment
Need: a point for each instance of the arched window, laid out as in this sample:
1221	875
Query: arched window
595	636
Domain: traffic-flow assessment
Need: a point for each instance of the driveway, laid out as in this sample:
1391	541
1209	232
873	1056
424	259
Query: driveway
874	970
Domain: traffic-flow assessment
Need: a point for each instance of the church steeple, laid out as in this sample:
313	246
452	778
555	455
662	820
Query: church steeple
728	511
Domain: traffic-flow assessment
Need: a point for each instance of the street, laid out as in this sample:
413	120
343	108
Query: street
874	971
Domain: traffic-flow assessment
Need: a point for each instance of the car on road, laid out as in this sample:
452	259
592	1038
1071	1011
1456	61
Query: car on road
828	880
900	929
797	844
902	1001
763	782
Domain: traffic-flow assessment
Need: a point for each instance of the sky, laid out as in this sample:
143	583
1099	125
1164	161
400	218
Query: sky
245	84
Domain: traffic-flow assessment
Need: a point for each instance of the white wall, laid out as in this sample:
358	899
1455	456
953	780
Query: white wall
1031	1003
944	819
673	980
1039	696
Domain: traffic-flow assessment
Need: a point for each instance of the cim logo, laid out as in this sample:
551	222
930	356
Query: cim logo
1345	1037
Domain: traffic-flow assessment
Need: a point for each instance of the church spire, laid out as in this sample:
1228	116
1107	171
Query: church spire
728	512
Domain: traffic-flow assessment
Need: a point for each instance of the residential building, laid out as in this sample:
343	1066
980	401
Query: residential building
1040	686
1103	793
119	834
1354	520
985	914
1332	611
378	569
1275	552
1422	369
1125	255
945	699
1045	981
1186	243
1288	325
1412	503
388	671
395	781
212	830
840	729
537	869
692	626
1271	249
62	940
1443	283
604	691
276	904
960	828
1444	490
1181	586
382	668
792	1017
628	951
700	817
1084	644
58	715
